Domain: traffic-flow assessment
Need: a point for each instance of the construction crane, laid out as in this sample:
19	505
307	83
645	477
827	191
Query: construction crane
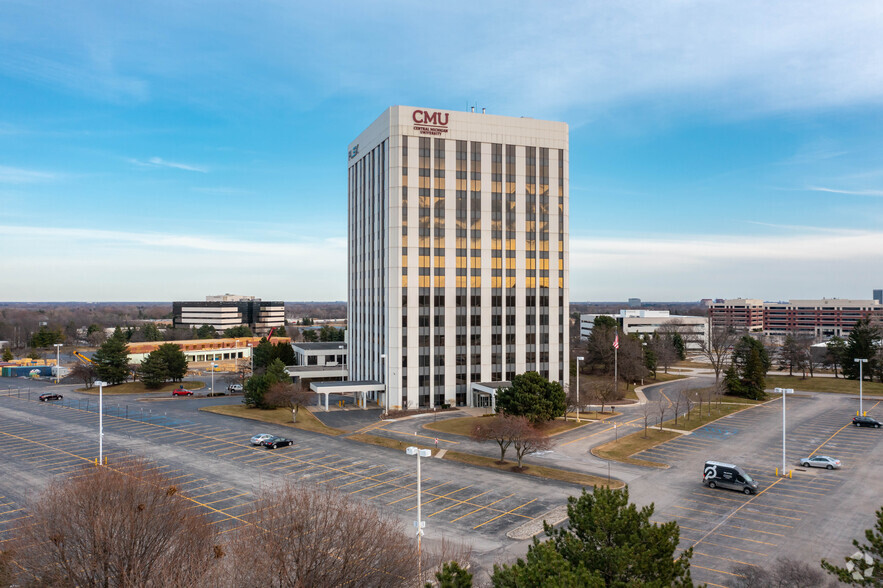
82	357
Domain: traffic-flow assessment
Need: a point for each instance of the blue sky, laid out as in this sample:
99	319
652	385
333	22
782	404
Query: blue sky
169	150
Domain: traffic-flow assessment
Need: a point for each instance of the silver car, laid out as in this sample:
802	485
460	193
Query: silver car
820	461
260	438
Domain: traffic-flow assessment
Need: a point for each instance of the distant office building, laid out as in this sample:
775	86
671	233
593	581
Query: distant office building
634	303
458	254
229	310
740	313
878	296
694	329
823	318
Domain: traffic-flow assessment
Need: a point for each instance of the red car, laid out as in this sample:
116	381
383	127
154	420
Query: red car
182	392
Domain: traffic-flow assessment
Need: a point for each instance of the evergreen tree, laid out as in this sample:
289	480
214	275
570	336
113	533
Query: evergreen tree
175	360
150	332
867	569
452	576
747	373
264	354
257	386
46	337
112	359
154	371
650	359
240	331
680	345
7	354
835	354
284	352
862	343
608	542
206	332
532	396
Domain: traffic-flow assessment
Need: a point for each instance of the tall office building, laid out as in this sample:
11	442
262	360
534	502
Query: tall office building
458	254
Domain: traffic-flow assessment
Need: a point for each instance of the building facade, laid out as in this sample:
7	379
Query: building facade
824	318
458	253
229	310
694	329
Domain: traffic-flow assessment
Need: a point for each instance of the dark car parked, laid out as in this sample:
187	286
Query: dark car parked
865	421
50	396
274	442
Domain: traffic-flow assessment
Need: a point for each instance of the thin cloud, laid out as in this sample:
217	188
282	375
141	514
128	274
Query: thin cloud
850	192
158	162
17	175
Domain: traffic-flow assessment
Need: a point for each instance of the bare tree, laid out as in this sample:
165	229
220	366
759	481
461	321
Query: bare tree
302	535
631	360
647	410
604	392
688	401
661	408
84	373
663	346
528	439
500	428
676	404
290	396
716	347
124	526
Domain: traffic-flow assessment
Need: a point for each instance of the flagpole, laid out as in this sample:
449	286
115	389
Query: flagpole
616	362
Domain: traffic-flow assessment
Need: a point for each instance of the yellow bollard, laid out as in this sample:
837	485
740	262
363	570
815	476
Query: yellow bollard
790	473
777	472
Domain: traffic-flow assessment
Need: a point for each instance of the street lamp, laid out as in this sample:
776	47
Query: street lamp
251	357
214	365
57	361
578	359
784	392
101	386
860	361
385	386
419	522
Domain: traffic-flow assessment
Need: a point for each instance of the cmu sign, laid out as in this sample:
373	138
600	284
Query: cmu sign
430	123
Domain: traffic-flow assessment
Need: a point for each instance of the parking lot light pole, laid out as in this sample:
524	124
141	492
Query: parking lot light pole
212	391
419	522
860	361
784	392
578	359
101	386
57	361
251	358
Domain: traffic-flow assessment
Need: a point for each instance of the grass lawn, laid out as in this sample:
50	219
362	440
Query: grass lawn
140	388
489	462
838	385
280	416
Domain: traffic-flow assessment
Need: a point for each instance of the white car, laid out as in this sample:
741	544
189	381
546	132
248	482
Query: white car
260	438
234	388
820	461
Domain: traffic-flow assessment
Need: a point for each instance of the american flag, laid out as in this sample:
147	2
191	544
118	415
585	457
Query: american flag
616	341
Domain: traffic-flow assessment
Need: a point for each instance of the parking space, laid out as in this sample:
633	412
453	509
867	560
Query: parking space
196	456
727	529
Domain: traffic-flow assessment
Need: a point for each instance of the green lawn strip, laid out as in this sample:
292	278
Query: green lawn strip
280	416
140	388
489	462
622	449
836	385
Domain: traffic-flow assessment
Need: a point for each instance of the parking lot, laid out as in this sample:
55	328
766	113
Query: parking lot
814	514
209	459
811	515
